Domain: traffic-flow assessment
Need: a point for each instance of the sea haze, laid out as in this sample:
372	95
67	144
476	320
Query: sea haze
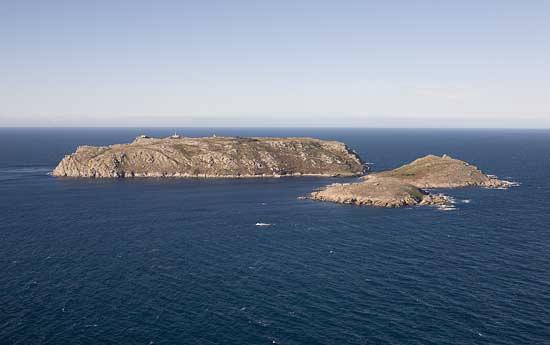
180	261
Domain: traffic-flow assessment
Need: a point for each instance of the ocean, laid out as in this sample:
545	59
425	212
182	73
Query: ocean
180	261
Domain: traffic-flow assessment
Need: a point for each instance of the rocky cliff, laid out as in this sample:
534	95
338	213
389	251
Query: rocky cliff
213	157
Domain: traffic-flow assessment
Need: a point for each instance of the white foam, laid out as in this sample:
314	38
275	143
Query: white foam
446	208
26	170
263	224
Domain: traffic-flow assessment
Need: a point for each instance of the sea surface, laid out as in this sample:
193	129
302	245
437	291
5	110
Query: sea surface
180	261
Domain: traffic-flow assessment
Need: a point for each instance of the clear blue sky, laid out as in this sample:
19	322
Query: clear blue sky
469	63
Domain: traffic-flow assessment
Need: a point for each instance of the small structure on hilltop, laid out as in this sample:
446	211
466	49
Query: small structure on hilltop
223	157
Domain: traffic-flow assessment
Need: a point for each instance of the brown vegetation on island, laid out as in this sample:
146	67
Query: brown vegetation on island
405	186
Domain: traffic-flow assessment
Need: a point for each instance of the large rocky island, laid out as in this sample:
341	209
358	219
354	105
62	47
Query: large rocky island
406	185
230	157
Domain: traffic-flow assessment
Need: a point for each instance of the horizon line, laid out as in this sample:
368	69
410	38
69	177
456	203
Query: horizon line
275	127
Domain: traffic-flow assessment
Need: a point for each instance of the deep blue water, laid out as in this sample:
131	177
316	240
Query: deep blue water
181	261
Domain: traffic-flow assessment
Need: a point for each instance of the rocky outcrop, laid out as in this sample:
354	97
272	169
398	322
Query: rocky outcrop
383	193
213	157
405	186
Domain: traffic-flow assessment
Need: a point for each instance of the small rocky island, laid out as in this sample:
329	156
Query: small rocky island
405	186
227	157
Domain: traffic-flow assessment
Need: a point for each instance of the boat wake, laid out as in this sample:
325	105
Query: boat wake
12	173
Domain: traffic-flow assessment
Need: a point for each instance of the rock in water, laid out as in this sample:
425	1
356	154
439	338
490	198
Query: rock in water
213	157
403	186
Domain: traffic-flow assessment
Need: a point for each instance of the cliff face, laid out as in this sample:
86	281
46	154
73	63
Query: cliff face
403	186
213	157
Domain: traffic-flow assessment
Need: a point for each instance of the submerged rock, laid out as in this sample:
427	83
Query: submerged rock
232	157
404	186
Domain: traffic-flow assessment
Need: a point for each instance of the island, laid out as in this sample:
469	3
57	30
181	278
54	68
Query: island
213	157
406	185
240	157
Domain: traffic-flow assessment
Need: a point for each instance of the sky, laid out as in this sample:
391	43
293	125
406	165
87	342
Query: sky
310	63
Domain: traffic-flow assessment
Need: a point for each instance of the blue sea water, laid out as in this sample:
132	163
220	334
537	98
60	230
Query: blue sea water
182	262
